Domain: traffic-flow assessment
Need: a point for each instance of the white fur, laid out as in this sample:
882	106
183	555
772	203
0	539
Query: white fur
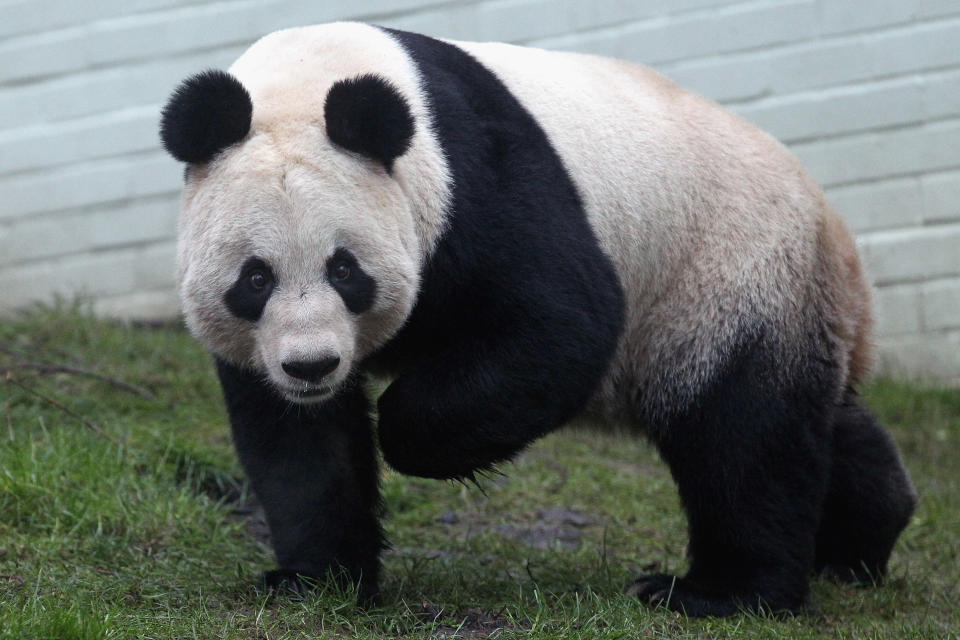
708	221
288	196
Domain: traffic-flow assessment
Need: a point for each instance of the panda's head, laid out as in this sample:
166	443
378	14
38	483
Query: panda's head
298	250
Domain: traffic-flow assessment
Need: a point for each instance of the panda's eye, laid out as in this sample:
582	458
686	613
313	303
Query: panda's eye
249	294
347	277
341	270
257	280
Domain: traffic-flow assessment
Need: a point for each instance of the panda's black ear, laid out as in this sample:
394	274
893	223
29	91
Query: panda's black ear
207	113
368	115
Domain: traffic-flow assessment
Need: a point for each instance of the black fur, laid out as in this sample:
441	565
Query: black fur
751	460
519	309
776	481
314	469
869	502
243	299
368	115
207	113
358	290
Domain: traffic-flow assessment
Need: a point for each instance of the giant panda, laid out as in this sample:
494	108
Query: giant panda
515	238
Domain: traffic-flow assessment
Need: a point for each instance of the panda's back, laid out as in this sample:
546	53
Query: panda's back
662	172
713	226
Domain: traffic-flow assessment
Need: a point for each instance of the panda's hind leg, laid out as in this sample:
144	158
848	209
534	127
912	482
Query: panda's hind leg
869	502
751	461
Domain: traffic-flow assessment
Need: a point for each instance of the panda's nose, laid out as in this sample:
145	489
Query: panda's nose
311	370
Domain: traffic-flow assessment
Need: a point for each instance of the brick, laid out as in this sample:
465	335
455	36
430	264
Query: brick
844	17
125	32
53	144
551	24
822	63
677	37
880	205
927	355
90	229
941	196
118	272
911	150
29	16
808	115
516	21
888	53
147	35
736	78
144	306
89	183
911	254
928	45
140	84
731	30
496	20
897	309
590	15
860	107
594	23
454	24
941	94
941	304
932	8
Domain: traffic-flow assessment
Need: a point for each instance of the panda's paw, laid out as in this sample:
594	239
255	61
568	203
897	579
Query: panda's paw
681	595
289	582
286	581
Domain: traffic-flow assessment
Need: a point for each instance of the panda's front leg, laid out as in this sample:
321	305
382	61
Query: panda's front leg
314	469
481	401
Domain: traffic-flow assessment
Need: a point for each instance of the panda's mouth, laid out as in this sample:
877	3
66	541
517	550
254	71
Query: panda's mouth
309	395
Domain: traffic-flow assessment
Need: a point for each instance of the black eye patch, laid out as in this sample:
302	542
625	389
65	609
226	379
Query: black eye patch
354	285
249	294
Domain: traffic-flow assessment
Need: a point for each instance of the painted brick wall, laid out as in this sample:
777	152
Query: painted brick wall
867	94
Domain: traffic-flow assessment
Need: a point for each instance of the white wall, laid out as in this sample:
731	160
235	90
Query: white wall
867	93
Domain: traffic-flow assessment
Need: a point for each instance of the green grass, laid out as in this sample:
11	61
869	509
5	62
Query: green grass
117	519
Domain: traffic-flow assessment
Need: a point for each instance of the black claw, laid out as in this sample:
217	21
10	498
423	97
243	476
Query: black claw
285	581
653	588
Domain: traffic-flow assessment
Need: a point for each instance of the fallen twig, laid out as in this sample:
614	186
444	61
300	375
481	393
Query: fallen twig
67	410
46	352
526	565
41	367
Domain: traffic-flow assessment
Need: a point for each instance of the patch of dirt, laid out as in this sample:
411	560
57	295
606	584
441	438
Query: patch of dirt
540	530
558	526
448	517
467	623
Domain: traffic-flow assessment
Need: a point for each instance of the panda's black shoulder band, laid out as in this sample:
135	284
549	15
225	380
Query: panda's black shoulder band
207	113
369	116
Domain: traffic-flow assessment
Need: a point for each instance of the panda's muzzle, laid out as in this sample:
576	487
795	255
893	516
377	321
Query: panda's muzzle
311	370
